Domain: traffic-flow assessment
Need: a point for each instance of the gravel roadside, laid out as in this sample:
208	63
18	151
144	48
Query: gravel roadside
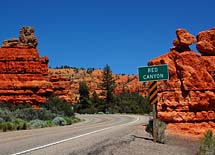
139	142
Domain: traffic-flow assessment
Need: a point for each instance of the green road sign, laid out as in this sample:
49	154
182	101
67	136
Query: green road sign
153	73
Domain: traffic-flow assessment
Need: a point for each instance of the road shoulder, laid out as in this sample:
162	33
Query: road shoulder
136	141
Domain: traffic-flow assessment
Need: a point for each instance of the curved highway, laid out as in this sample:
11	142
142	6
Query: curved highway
69	140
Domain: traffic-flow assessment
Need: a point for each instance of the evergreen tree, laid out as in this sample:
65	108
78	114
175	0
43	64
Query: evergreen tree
108	86
83	91
95	98
85	105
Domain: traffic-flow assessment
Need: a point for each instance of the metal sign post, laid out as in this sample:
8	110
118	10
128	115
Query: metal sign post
154	100
154	74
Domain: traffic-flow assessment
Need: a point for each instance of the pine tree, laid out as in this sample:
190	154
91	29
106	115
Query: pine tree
83	104
95	98
108	86
83	91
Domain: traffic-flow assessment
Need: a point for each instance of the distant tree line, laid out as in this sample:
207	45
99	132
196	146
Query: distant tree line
64	67
125	102
89	70
70	67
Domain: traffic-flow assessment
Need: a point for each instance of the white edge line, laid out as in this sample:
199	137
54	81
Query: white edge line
68	139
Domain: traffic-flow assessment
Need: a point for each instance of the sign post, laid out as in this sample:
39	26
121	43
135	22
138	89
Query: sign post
154	100
154	74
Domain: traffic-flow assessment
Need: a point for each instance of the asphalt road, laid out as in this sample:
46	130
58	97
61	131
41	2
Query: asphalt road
81	138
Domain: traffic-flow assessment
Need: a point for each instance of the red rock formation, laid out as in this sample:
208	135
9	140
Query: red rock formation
61	86
188	95
27	39
24	74
206	42
187	100
24	77
184	39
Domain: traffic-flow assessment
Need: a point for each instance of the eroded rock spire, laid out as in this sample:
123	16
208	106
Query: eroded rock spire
27	39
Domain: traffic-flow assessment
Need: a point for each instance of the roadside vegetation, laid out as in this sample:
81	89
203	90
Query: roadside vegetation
207	146
125	102
55	112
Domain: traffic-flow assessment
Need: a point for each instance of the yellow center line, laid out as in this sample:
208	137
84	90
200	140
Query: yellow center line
14	138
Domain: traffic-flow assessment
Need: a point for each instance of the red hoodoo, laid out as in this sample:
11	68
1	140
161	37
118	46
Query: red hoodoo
24	74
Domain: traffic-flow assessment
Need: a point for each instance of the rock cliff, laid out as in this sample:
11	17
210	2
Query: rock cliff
206	42
24	74
188	97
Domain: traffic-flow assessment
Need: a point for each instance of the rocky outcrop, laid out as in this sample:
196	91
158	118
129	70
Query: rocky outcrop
206	42
61	87
24	78
183	40
189	94
24	74
27	39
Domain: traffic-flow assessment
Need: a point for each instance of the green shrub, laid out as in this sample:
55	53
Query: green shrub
6	115
16	117
10	126
59	121
25	126
71	120
38	123
68	120
85	106
3	126
26	114
1	120
59	106
16	124
49	123
20	124
44	114
207	146
29	114
75	119
13	107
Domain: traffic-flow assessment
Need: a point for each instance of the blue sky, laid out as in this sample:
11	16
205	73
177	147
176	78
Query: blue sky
125	34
